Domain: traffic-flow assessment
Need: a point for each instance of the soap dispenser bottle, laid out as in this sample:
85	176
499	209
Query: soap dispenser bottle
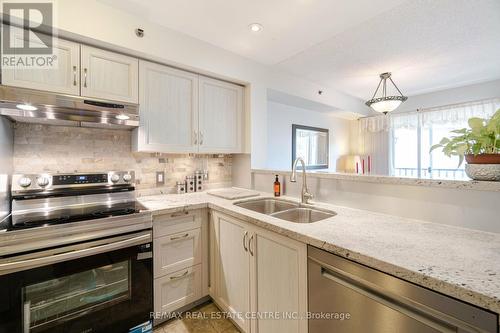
277	187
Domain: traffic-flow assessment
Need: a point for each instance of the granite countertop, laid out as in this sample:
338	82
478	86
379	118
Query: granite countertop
381	179
457	262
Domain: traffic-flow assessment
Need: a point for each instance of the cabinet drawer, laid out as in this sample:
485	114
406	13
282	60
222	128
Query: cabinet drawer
177	289
173	223
177	251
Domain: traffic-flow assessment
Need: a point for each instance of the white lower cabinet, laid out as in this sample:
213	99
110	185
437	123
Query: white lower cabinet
279	274
180	259
260	275
177	289
231	286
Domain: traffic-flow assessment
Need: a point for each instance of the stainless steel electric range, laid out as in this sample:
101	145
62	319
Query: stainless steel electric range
76	255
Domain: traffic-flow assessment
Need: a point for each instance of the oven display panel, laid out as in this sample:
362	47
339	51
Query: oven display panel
80	179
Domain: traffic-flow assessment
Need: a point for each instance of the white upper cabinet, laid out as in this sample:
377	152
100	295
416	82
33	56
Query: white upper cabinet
63	77
109	75
221	116
78	70
168	110
182	112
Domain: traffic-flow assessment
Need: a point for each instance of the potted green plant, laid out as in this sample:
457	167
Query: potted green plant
479	145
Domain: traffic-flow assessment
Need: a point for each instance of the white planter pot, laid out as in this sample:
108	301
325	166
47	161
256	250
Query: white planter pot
489	172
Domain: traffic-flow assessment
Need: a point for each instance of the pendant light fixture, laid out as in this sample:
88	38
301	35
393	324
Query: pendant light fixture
386	103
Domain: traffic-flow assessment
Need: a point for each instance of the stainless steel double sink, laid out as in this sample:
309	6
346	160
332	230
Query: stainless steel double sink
286	210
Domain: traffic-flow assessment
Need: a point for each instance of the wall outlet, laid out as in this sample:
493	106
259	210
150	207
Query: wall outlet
160	178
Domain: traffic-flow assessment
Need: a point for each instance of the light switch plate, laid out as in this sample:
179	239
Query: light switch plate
160	178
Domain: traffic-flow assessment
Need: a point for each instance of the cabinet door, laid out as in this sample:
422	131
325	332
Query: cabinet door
168	110
221	116
232	268
279	282
109	75
63	77
175	290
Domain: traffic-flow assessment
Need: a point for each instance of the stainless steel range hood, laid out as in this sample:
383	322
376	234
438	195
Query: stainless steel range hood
27	105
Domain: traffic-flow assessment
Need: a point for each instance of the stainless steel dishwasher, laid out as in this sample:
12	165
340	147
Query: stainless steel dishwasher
346	297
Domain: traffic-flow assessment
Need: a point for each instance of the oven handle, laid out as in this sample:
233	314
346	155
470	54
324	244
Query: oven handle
20	265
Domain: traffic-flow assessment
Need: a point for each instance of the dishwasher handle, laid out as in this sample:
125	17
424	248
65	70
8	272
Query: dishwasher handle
417	311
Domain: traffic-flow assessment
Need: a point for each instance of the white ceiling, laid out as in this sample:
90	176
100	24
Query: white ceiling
428	45
290	26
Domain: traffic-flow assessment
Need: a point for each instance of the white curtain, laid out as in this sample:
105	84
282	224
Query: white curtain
373	141
460	113
450	114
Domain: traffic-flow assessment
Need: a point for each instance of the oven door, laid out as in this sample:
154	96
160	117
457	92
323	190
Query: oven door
99	286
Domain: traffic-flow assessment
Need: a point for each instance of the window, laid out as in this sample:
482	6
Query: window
311	144
411	149
414	133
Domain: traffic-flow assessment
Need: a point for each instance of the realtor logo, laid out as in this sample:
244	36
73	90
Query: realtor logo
23	42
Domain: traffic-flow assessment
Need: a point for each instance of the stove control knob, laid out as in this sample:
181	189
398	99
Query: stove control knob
127	177
24	182
43	181
114	178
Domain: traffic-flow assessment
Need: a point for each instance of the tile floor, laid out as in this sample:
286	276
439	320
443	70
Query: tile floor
206	318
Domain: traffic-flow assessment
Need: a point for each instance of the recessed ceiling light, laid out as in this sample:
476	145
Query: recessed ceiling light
26	107
255	27
122	117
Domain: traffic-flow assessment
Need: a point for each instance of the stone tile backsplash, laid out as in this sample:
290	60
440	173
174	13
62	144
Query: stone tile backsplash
59	149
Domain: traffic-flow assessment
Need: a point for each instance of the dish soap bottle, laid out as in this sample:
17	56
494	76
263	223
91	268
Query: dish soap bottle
277	187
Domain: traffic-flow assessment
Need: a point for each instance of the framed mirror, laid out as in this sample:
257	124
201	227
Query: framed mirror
310	143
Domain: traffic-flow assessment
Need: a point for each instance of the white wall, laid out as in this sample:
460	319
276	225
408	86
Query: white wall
471	93
241	171
94	22
452	206
280	118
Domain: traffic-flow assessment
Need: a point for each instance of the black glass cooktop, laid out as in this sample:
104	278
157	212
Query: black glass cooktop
72	214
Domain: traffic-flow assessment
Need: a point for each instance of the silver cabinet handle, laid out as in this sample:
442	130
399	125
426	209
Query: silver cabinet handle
201	138
195	137
250	242
85	77
19	265
245	241
74	75
179	237
177	214
179	276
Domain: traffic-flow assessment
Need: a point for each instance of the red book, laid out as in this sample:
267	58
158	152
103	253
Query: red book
357	167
